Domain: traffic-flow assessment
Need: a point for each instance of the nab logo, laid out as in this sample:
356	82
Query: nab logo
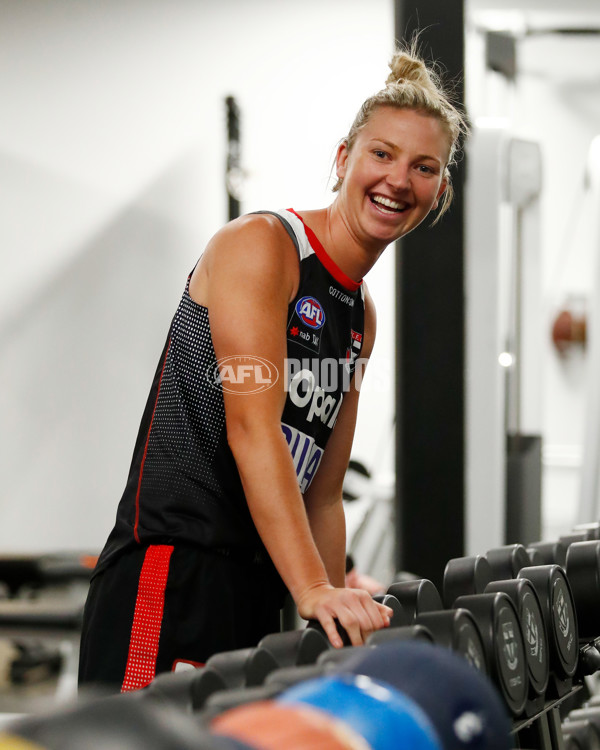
310	311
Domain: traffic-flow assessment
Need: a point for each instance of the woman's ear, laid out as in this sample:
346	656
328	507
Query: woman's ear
341	160
441	192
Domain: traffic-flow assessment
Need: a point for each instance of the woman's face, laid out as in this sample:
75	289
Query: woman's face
393	175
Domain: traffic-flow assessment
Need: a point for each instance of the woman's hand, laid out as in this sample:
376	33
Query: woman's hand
354	609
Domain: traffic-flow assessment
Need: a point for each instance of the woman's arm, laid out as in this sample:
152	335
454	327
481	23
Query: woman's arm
248	276
324	496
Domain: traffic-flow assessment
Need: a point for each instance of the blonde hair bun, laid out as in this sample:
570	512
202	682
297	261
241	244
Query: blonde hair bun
406	67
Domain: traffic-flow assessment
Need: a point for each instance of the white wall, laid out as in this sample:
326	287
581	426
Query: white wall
112	149
555	100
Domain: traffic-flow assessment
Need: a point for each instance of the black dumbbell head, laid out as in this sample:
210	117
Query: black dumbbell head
558	610
583	571
408	632
416	597
399	615
527	604
457	629
296	647
502	637
464	576
507	561
246	667
548	553
113	722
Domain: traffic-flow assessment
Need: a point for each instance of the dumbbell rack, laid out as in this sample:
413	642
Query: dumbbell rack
543	730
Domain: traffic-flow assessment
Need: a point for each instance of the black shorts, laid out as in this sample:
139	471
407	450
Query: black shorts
159	606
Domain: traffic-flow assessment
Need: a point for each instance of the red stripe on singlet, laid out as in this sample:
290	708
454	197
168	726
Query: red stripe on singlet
328	262
139	487
147	618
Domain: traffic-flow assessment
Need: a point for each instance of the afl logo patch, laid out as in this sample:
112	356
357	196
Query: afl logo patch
310	311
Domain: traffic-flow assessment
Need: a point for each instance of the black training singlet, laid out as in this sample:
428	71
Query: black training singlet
183	484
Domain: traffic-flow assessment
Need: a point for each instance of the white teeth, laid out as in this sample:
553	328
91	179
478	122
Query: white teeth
387	202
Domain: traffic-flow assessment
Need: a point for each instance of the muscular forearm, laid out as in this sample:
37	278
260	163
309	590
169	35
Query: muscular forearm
328	526
277	507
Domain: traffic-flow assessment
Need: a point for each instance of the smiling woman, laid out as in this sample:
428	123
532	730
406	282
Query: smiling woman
235	490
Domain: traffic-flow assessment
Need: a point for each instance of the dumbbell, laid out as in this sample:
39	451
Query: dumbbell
558	612
296	647
416	596
527	605
188	690
455	629
468	575
246	667
403	633
238	669
398	618
593	530
228	670
499	624
495	573
555	552
105	723
548	553
507	561
583	571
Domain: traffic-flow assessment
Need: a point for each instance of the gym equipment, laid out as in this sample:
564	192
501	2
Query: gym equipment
339	655
117	721
247	667
462	704
457	630
399	618
288	676
507	561
502	637
583	572
581	734
238	669
406	632
225	700
464	576
267	725
35	572
385	718
558	612
548	553
416	596
591	714
528	608
188	690
296	647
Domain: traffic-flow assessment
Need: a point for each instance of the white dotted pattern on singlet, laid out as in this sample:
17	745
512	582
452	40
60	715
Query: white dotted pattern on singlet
190	414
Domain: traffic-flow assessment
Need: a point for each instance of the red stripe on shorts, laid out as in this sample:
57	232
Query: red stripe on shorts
147	618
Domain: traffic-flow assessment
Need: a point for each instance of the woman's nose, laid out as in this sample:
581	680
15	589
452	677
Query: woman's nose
399	176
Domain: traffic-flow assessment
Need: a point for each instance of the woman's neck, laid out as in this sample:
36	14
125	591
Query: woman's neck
342	246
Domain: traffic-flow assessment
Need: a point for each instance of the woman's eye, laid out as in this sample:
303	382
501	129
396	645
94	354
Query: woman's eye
380	154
